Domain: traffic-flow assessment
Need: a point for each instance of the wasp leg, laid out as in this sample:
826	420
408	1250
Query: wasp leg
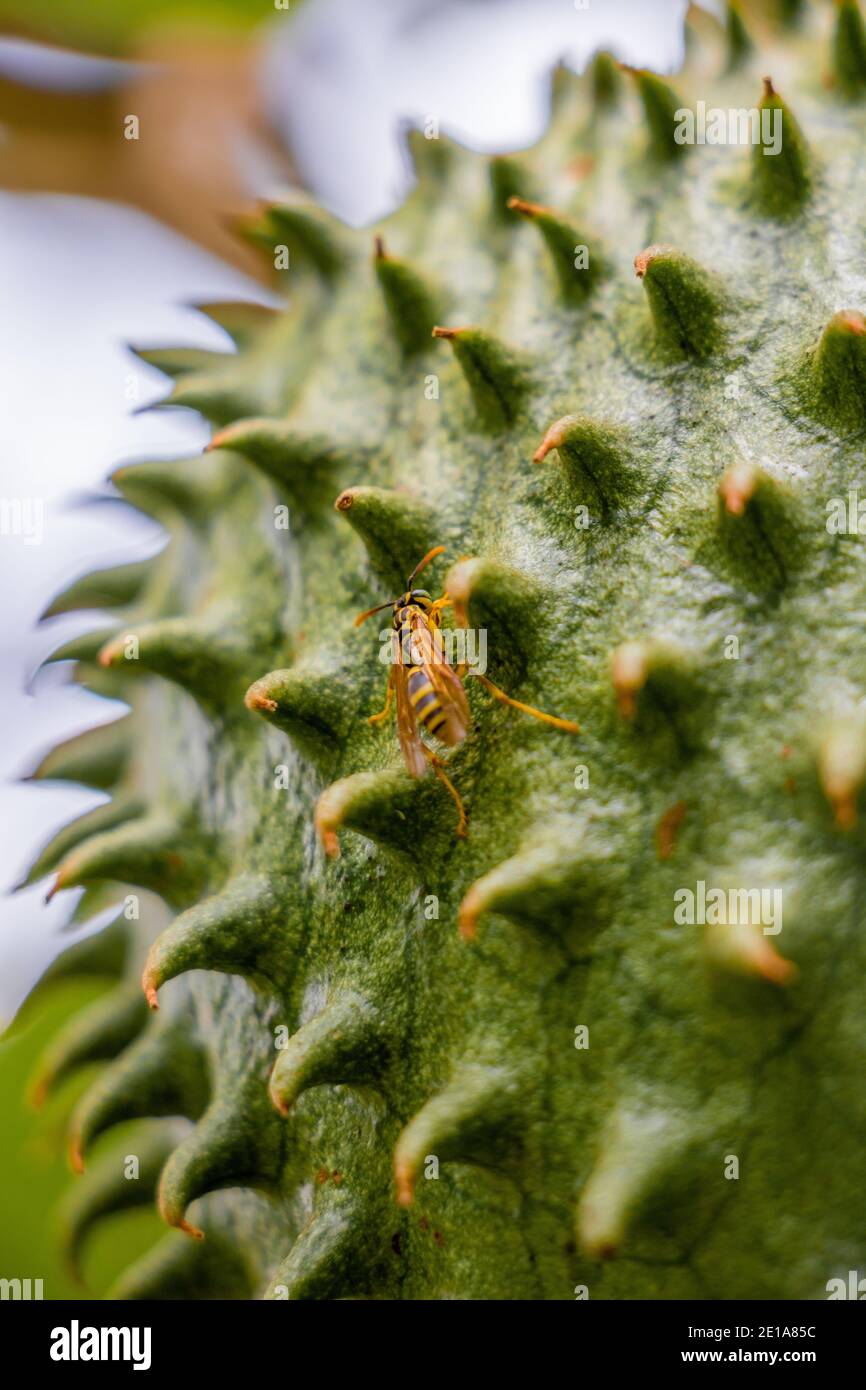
567	724
438	766
443	602
383	712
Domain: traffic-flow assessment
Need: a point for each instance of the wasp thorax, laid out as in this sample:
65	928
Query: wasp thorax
413	598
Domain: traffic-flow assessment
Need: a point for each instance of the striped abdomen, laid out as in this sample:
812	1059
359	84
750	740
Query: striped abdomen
425	701
422	697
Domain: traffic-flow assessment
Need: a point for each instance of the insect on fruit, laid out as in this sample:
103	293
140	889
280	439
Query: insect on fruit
428	689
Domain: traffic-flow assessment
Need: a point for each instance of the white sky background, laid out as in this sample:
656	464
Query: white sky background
80	278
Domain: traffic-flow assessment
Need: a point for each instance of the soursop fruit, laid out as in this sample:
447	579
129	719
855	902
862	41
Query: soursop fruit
612	1040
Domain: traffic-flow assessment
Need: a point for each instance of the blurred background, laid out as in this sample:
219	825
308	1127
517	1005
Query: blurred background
107	241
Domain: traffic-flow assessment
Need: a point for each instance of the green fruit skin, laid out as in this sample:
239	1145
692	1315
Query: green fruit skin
539	1166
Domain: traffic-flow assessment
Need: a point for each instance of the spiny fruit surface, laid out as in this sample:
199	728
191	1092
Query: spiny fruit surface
368	1075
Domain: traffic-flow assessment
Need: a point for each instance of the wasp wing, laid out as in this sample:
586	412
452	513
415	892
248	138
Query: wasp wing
427	651
407	725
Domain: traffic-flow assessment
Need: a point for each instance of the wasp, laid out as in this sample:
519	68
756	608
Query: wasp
429	691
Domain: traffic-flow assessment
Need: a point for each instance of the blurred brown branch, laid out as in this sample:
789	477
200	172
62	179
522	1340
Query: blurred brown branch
204	146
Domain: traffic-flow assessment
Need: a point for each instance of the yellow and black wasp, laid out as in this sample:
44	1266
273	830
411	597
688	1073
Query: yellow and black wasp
429	691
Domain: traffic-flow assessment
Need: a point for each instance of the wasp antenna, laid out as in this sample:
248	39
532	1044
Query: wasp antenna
362	617
431	555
